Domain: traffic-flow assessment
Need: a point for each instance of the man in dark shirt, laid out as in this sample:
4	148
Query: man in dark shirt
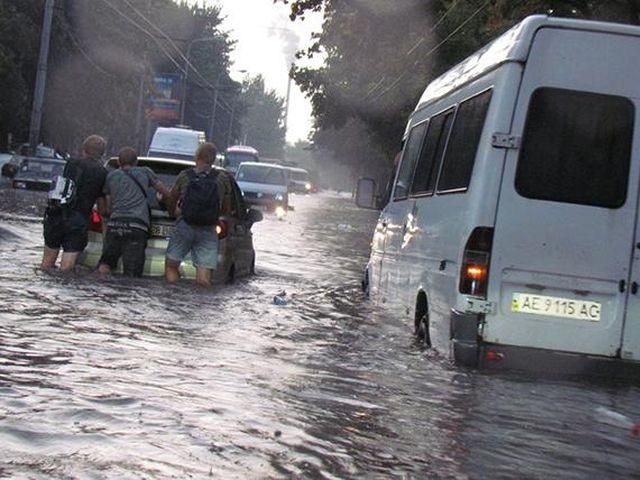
66	220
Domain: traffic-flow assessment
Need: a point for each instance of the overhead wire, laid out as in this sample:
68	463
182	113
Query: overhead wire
222	103
434	49
172	43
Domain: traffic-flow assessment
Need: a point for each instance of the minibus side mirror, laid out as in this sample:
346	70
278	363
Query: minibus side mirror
9	170
366	194
254	216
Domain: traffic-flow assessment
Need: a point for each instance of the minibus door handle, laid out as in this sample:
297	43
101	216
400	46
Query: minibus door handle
622	285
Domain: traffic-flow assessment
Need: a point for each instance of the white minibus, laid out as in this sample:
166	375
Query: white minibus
510	236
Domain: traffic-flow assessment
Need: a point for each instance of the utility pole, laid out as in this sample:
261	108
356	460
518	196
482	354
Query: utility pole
215	106
41	76
286	107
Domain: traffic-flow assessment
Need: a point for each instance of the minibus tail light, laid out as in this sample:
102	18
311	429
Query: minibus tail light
474	274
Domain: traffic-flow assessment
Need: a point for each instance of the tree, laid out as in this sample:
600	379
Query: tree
263	123
379	55
102	52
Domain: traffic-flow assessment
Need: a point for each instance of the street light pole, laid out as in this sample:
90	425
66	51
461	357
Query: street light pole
41	76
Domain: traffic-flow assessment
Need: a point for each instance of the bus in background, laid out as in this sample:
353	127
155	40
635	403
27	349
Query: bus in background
237	154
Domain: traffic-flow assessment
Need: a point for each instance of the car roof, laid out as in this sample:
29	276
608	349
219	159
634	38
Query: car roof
297	169
241	148
261	164
159	161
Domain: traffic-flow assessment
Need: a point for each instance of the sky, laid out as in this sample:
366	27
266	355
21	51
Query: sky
266	43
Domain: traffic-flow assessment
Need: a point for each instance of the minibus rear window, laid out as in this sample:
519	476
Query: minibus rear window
576	148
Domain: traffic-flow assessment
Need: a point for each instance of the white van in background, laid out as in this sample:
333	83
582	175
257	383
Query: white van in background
175	142
511	234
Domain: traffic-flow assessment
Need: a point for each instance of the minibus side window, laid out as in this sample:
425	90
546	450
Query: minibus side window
463	144
576	148
409	158
424	179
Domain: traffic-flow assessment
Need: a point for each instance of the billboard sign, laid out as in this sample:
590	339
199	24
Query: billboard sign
164	97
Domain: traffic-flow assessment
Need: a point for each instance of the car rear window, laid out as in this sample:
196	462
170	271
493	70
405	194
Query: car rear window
576	148
44	169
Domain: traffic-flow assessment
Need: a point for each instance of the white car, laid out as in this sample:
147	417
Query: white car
265	186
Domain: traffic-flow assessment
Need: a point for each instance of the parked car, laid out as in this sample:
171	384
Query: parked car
35	173
236	255
265	186
511	233
299	181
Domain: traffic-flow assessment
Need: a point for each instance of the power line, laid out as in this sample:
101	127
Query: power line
412	49
223	104
434	49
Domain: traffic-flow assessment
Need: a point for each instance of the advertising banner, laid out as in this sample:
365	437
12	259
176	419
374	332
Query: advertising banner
164	97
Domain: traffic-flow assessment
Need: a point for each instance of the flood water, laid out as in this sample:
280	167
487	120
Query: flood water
113	378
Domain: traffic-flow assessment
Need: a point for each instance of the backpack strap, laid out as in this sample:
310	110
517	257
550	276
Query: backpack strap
142	190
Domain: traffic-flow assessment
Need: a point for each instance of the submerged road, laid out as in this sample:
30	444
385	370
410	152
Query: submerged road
132	379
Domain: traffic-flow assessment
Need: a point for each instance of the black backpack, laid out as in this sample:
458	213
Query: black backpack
201	201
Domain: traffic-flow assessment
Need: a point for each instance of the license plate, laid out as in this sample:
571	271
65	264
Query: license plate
161	230
556	307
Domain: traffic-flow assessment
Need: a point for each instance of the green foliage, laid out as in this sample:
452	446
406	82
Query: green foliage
101	52
263	123
380	55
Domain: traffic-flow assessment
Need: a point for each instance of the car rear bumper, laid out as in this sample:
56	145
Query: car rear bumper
154	259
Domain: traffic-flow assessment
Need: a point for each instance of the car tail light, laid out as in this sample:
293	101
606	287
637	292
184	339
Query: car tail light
474	274
222	228
95	222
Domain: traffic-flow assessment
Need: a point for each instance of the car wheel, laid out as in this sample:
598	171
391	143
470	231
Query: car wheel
422	330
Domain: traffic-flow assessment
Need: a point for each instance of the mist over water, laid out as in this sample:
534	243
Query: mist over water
121	378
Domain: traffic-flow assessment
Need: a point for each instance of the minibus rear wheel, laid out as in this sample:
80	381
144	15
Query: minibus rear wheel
421	330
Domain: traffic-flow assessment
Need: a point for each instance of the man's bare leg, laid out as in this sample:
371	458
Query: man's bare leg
49	257
69	260
171	270
203	276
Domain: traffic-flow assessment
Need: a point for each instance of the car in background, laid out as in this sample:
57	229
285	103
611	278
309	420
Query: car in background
237	154
265	186
299	181
236	255
35	173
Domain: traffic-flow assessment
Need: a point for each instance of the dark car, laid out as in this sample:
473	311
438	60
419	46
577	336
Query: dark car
236	256
36	173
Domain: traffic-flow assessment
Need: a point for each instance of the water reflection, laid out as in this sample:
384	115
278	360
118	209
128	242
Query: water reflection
126	378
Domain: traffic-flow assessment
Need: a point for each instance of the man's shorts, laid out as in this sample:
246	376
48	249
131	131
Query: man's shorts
202	242
129	243
65	228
